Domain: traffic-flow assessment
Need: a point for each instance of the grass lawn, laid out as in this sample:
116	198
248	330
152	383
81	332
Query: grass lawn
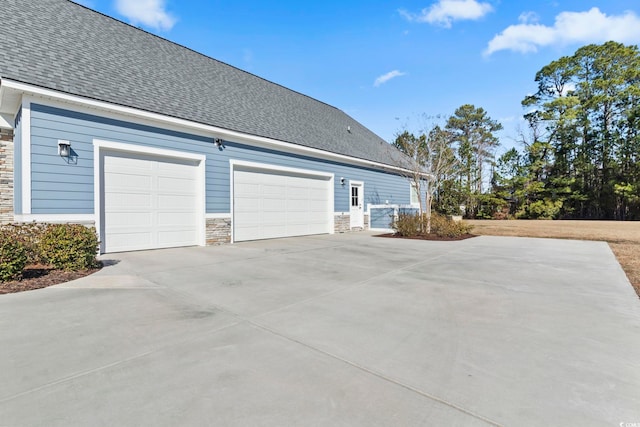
623	237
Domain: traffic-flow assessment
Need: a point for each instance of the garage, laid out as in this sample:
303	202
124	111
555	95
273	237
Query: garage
271	203
149	201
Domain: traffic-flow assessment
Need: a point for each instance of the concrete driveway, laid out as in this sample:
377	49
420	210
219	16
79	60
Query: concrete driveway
344	330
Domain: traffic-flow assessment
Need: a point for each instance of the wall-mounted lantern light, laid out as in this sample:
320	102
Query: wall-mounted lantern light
218	143
341	180
64	148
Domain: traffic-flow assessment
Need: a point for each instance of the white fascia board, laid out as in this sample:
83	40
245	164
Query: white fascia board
202	129
6	121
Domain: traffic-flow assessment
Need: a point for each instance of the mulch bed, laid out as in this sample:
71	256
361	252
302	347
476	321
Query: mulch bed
429	237
41	276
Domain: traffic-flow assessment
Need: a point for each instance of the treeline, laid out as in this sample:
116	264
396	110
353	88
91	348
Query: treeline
579	156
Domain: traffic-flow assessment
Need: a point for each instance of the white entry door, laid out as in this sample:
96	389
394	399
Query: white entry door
356	191
270	204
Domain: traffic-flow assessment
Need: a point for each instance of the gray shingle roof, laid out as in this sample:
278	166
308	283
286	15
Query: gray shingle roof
63	46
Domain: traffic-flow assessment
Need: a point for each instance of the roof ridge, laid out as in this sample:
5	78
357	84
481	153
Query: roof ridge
201	54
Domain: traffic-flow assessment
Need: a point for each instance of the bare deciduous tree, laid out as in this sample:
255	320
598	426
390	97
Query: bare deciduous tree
428	161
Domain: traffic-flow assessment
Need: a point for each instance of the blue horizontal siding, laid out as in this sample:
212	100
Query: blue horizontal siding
381	217
41	185
379	187
60	186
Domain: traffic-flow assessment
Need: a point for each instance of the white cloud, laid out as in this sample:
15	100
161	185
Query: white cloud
528	18
150	13
386	77
444	12
591	26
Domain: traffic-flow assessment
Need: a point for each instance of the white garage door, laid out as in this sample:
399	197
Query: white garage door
149	202
270	204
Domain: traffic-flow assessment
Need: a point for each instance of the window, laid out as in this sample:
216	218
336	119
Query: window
354	196
414	194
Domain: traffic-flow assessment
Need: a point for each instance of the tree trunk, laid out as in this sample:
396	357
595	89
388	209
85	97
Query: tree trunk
428	202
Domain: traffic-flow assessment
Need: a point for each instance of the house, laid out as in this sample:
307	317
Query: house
160	146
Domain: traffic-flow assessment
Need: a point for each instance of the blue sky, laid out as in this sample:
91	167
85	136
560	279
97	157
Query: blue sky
387	63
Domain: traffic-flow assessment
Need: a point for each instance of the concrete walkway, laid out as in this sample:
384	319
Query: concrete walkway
346	330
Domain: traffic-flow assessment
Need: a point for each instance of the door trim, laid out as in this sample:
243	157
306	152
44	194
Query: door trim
101	147
359	220
254	166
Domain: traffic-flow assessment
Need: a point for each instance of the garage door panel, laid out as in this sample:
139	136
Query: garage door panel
123	218
298	193
246	205
131	201
273	205
270	204
177	219
315	219
272	190
244	219
176	168
121	241
176	202
178	185
247	188
272	217
125	161
317	205
298	229
299	205
125	181
176	237
149	202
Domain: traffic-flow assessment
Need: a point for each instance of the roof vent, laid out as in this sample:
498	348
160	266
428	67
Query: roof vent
349	129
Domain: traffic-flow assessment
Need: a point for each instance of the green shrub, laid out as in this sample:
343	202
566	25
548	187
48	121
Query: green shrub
69	246
29	235
13	257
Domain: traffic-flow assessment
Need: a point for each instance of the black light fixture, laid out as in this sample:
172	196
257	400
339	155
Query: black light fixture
341	180
64	148
218	143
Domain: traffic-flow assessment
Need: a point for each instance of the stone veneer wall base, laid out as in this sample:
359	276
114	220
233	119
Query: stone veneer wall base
218	231
341	223
6	176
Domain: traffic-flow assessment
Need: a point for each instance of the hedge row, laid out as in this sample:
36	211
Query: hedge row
69	247
411	225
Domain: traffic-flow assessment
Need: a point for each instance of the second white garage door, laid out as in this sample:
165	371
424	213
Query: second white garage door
149	202
270	204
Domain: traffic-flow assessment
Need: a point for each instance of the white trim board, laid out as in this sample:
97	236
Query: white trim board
25	153
55	218
99	146
269	167
218	216
91	106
